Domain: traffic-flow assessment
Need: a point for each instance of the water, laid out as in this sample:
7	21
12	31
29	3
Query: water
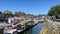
34	30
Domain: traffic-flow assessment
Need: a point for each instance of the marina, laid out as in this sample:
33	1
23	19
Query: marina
33	30
18	26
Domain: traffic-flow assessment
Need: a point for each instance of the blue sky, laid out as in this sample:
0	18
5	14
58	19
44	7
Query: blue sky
28	6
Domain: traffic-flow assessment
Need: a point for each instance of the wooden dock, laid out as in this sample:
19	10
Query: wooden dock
35	22
31	23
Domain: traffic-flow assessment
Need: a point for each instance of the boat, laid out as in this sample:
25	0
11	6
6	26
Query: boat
10	31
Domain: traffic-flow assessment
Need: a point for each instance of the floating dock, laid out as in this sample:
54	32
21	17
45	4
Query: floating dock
20	27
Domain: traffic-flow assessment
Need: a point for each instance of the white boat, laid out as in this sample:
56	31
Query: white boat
10	31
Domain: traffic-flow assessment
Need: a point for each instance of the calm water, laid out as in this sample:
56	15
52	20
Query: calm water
34	30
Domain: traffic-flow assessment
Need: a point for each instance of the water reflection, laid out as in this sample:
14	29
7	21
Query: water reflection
34	30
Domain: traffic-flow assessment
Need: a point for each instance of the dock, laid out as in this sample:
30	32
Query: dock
29	26
9	28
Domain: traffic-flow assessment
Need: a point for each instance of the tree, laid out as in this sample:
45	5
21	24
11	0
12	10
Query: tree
7	13
54	11
0	13
20	13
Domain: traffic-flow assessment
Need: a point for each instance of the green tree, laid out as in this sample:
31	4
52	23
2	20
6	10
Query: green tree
54	11
7	13
20	13
0	13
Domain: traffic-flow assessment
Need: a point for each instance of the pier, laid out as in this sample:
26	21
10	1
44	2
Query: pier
30	26
10	28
